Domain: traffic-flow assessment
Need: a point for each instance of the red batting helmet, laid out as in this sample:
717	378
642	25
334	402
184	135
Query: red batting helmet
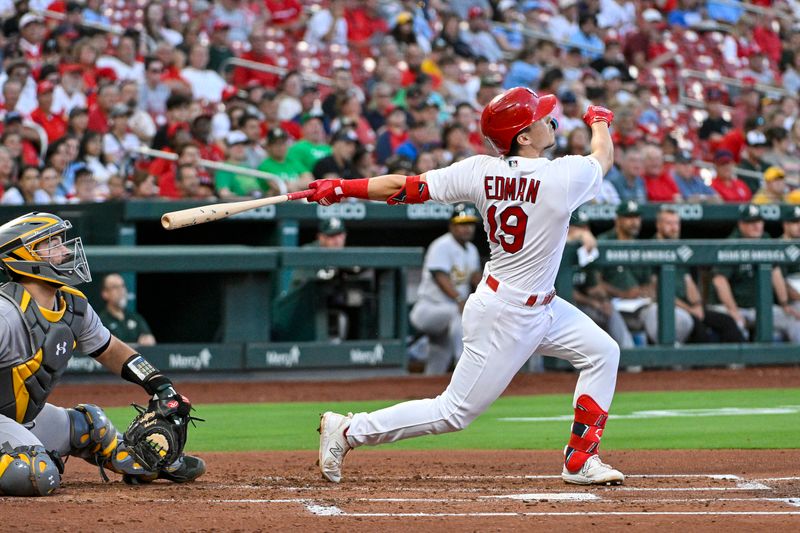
510	113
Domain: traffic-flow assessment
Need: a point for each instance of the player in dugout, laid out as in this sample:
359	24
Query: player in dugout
43	321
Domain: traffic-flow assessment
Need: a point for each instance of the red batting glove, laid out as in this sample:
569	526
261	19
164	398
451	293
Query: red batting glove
597	113
326	192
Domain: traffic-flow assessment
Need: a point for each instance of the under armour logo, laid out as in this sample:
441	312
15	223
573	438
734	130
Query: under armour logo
61	348
336	450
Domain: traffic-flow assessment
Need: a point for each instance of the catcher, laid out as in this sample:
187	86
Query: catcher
42	320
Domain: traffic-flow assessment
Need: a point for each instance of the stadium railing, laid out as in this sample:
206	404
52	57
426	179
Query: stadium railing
279	183
273	69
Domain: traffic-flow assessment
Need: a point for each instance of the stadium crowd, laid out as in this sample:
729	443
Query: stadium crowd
705	93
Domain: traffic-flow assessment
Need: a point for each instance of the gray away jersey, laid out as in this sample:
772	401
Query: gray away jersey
459	262
15	343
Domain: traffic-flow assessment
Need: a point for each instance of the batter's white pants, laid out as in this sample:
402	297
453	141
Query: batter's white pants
500	335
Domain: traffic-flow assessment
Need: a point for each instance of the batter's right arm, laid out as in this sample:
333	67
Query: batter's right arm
331	191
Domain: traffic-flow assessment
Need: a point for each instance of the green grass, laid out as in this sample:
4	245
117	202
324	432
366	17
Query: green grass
292	426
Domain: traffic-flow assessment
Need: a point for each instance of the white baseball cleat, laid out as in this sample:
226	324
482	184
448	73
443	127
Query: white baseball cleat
333	444
593	472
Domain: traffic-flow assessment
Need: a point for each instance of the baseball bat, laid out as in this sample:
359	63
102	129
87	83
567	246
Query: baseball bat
210	213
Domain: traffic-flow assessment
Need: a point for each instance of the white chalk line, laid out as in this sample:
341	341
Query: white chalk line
672	413
577	513
582	497
549	496
724	477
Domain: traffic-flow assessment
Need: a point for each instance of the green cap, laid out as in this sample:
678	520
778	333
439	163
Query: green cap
464	214
791	213
749	213
331	226
579	218
628	209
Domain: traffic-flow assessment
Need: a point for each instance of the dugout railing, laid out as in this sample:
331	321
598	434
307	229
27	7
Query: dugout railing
666	257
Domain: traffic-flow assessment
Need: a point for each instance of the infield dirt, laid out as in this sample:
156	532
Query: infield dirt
691	490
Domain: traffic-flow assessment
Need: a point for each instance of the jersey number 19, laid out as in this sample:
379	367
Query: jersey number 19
516	231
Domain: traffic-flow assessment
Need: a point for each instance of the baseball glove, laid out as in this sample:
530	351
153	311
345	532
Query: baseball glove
157	435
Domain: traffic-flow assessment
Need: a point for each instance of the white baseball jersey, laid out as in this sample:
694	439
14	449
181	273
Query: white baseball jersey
525	204
445	254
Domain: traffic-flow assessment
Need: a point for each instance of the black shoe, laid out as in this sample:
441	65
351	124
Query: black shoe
186	469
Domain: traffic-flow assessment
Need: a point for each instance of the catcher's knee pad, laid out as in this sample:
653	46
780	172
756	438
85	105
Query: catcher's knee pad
92	435
28	471
587	429
95	439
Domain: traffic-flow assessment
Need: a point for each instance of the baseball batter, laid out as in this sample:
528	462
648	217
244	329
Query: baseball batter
42	320
525	201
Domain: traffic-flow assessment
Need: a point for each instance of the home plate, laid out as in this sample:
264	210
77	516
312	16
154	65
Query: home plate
551	496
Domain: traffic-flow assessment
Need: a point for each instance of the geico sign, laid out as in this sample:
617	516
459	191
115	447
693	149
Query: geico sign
351	211
770	212
600	211
689	211
429	211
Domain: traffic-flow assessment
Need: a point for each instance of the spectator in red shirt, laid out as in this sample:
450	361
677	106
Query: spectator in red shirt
748	105
767	40
285	14
107	97
86	57
201	136
363	21
660	185
258	52
466	116
269	109
730	188
54	124
32	33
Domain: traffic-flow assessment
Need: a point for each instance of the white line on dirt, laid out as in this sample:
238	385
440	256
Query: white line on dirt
730	477
581	513
794	502
792	478
623	488
553	496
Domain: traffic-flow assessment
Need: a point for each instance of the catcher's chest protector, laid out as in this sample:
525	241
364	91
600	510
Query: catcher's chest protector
24	388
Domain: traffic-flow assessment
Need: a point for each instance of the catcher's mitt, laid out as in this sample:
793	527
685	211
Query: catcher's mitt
157	435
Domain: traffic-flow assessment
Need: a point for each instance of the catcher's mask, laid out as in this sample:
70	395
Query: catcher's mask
35	246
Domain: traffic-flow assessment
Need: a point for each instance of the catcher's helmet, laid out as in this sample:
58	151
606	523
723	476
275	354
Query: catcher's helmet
60	263
511	112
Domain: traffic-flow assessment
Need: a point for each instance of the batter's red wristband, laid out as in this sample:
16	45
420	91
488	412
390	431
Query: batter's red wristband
356	188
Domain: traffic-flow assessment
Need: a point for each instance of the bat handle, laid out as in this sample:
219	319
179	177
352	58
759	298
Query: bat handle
299	195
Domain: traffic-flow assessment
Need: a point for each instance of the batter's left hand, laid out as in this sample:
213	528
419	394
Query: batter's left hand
597	113
326	192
